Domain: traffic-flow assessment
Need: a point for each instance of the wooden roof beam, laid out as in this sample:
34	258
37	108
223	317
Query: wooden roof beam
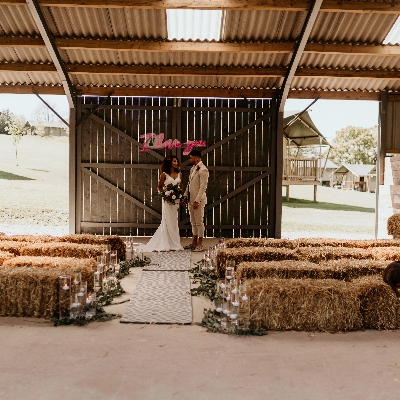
79	69
355	6
200	92
197	47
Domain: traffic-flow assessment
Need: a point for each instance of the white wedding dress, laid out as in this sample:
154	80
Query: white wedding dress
167	237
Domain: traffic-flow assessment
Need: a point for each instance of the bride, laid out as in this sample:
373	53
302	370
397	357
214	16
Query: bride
167	237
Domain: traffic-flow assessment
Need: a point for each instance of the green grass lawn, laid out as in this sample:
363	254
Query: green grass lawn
36	191
336	213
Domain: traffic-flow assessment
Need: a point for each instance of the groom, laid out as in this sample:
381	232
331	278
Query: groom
196	194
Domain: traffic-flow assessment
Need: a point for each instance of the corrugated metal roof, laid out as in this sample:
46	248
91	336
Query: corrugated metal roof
257	26
178	81
341	84
178	59
263	25
106	22
28	78
352	27
349	61
24	54
16	20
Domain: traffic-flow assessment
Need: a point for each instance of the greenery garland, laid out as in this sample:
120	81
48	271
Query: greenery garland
207	282
101	316
106	298
208	288
136	262
211	322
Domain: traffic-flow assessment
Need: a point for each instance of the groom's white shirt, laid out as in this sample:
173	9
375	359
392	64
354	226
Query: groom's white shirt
198	180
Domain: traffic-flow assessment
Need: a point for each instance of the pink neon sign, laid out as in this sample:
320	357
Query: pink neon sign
154	141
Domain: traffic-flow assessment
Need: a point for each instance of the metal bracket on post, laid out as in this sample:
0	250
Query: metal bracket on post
51	47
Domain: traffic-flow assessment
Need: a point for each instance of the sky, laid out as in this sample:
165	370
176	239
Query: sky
328	115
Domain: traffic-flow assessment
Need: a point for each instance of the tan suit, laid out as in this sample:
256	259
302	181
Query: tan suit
196	189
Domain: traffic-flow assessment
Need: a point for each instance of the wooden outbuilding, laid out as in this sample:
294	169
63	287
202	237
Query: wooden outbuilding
124	77
358	177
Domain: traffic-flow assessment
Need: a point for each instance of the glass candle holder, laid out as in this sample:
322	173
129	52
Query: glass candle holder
91	305
75	301
82	294
229	273
218	305
138	250
64	296
113	257
104	285
128	251
244	311
77	277
117	268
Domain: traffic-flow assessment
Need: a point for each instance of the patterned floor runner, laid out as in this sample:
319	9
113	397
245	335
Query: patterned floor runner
162	294
169	261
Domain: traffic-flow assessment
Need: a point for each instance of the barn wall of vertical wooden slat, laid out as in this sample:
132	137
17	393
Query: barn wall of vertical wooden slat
116	186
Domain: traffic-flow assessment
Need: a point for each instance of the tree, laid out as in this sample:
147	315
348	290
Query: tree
5	117
355	145
17	128
43	114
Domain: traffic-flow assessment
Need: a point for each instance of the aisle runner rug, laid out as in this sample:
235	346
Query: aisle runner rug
169	261
161	297
162	294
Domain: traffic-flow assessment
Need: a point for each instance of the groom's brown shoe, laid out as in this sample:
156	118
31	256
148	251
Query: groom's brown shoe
190	246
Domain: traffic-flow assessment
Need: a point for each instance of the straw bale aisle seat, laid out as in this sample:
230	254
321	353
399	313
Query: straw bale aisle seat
322	304
29	286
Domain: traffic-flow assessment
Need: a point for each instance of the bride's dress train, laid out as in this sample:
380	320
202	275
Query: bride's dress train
166	237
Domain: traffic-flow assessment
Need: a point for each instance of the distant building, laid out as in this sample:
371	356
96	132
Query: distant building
361	177
55	128
328	167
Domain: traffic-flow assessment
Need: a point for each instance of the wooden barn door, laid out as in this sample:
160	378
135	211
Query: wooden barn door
116	182
240	156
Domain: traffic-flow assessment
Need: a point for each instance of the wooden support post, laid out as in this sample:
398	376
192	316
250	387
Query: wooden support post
382	137
72	171
279	172
315	192
287	193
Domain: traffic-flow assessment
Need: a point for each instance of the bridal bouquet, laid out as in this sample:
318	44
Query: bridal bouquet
171	193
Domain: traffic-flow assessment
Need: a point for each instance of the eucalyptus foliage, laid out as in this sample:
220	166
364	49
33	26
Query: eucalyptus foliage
207	282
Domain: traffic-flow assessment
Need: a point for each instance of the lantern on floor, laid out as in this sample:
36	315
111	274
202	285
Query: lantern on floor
64	295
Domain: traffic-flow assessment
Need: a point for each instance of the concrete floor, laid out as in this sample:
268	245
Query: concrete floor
111	360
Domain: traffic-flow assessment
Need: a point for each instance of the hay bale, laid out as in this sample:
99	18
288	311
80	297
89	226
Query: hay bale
251	254
29	286
5	256
13	247
319	254
304	304
87	266
309	242
378	303
261	242
64	250
29	238
116	242
393	226
29	291
343	269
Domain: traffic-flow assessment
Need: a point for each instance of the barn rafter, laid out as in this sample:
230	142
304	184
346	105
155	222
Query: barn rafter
124	45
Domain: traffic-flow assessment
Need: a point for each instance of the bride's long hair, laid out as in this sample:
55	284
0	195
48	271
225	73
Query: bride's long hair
166	165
